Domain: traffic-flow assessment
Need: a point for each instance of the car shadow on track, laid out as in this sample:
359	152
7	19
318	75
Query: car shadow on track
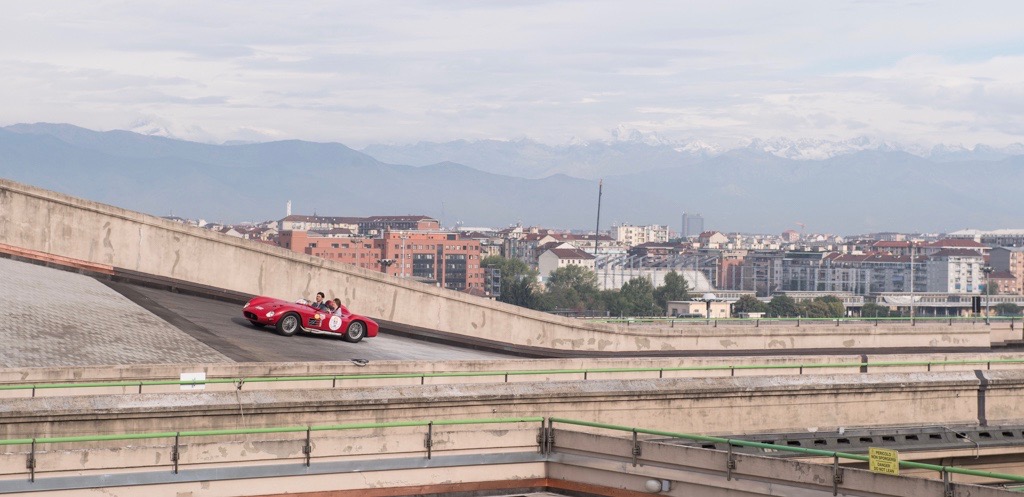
270	329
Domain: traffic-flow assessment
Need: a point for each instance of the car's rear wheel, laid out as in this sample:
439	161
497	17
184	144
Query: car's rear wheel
355	332
288	325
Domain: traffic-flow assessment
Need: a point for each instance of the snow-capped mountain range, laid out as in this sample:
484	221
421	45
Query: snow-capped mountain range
631	151
861	186
533	159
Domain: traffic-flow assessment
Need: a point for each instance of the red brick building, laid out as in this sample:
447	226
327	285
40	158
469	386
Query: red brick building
446	258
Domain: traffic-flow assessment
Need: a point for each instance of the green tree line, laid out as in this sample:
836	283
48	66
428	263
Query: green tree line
784	306
575	289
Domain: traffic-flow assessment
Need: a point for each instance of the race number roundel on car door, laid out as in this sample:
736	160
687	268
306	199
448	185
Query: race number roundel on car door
334	323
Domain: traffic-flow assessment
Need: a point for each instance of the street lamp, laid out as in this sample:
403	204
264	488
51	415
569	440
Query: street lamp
405	236
708	298
385	264
912	282
987	270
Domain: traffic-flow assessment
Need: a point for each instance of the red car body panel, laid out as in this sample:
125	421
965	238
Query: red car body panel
266	311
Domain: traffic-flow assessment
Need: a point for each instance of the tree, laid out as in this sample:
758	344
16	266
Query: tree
783	306
871	310
675	288
826	306
1007	309
614	302
749	303
835	306
518	281
571	287
638	297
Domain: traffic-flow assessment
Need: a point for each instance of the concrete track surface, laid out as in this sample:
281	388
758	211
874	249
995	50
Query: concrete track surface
51	317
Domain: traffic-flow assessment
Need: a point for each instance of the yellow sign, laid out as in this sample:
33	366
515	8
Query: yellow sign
885	461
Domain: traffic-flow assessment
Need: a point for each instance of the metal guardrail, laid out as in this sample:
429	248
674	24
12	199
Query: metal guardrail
545	439
766	321
257	431
335	379
944	471
307	449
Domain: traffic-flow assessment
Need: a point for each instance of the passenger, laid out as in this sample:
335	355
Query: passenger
319	304
335	306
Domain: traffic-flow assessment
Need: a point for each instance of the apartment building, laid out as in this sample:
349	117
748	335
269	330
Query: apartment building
375	225
1009	260
297	222
530	246
369	226
954	244
628	235
555	258
994	238
955	271
444	258
761	272
874	273
712	239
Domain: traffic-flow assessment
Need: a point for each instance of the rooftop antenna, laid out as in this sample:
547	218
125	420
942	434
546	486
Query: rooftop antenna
600	187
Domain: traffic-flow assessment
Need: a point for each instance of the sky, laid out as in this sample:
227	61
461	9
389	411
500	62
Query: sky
400	72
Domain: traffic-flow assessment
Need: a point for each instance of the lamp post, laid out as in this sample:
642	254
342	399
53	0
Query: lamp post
385	264
708	298
911	282
988	271
404	237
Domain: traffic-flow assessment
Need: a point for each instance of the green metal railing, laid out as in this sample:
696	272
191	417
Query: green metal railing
307	449
586	372
257	431
943	470
546	441
950	320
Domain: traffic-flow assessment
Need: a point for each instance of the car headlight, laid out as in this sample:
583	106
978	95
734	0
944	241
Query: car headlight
270	314
246	305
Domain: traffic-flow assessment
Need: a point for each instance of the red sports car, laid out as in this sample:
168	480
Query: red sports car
292	317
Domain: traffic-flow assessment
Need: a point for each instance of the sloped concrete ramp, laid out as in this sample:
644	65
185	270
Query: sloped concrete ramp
51	317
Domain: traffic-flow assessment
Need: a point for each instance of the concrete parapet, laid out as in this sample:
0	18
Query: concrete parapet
698	405
462	461
231	377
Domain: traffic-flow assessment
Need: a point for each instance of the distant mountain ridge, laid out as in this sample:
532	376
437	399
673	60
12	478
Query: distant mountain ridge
753	189
636	153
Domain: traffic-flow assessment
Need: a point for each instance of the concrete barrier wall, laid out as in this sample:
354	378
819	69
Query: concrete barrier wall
64	226
490	371
699	405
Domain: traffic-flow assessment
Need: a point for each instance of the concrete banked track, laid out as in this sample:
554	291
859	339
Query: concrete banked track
131	245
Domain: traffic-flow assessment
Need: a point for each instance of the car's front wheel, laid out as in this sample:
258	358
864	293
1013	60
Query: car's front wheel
355	332
288	325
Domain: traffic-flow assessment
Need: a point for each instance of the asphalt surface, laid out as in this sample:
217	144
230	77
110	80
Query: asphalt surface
50	317
221	326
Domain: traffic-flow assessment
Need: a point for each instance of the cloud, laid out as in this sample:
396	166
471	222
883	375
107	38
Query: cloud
397	72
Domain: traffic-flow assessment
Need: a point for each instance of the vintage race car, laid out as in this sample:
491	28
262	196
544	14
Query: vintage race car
291	317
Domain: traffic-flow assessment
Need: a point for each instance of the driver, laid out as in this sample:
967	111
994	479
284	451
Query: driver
319	304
